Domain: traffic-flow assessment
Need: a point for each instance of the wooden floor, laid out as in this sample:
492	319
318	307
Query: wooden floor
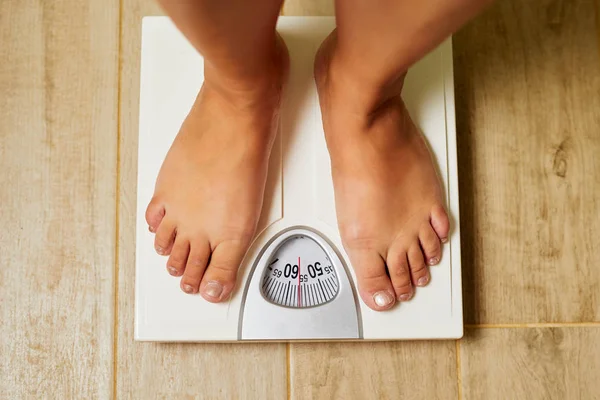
528	112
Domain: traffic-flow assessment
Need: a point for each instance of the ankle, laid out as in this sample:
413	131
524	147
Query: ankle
261	81
363	90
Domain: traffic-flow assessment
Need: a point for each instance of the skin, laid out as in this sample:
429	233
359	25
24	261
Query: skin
389	200
209	191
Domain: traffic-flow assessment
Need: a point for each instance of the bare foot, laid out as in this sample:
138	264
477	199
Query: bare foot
388	197
209	191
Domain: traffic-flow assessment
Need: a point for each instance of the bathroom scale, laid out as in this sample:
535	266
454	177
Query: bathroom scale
296	281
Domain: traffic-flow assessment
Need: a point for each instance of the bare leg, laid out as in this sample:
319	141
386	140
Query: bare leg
209	191
388	197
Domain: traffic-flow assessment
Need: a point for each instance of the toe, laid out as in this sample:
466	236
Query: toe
440	222
197	260
165	236
400	273
430	243
374	284
154	214
418	268
220	277
179	255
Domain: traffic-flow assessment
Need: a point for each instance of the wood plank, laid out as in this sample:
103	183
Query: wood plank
597	3
531	363
376	370
309	7
528	114
58	129
152	370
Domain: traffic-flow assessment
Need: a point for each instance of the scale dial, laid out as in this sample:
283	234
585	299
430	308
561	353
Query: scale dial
299	274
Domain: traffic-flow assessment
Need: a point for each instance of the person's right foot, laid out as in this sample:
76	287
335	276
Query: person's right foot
389	200
209	191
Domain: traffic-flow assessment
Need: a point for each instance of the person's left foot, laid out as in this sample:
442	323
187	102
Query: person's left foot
389	200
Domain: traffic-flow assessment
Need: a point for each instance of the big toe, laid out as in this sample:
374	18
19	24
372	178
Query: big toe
220	277
154	214
440	222
374	284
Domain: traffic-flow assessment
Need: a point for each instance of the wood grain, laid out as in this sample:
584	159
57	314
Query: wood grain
309	7
58	129
173	371
528	110
529	363
528	114
378	370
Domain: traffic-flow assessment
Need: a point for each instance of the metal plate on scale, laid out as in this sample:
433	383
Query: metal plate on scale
299	290
296	282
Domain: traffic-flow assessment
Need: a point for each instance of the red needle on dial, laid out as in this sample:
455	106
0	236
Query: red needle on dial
299	299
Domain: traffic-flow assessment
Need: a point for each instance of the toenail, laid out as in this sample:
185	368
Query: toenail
150	228
213	289
173	271
405	297
422	281
383	298
160	250
434	260
445	240
188	289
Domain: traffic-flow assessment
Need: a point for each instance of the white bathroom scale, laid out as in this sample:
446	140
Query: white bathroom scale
296	281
